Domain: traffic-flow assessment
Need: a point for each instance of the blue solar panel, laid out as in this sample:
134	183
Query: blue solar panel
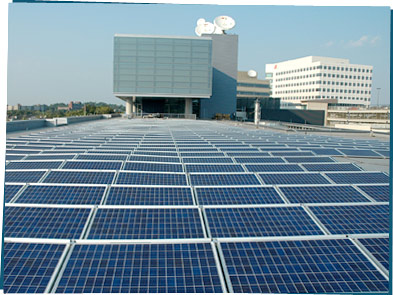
223	179
310	266
155	153
166	223
80	177
379	248
332	167
247	154
354	219
197	149
140	178
260	222
23	176
110	152
50	157
34	165
359	153
56	223
154	159
259	160
385	153
140	166
309	159
379	193
294	153
96	165
239	149
54	194
326	152
208	160
147	268
14	157
214	168
149	196
237	195
274	168
361	177
202	154
102	157
294	178
10	191
322	194
29	267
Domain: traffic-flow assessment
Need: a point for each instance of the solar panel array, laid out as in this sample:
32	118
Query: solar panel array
147	206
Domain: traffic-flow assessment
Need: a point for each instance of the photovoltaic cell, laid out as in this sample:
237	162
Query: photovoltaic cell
165	223
258	160
34	165
53	223
96	165
309	159
237	195
294	178
28	267
332	167
214	168
102	157
149	196
288	154
154	159
223	179
274	168
260	222
359	152
54	194
159	167
310	266
361	177
80	177
141	178
379	248
146	268
10	190
247	154
379	193
14	157
208	160
354	219
23	176
50	157
322	194
326	152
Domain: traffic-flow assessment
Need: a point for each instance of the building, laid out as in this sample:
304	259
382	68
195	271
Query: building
314	77
176	74
75	105
19	107
250	88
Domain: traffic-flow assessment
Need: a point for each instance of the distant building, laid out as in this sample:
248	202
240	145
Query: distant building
314	77
14	108
250	88
75	105
19	107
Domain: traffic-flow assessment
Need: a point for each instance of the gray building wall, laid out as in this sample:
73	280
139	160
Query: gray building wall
224	63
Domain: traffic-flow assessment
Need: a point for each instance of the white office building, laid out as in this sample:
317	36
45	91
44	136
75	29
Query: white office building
318	78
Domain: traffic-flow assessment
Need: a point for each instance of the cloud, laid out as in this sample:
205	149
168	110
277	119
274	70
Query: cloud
363	41
329	44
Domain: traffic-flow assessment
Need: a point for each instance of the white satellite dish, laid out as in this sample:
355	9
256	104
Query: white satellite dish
198	30
224	22
201	21
218	30
207	28
252	73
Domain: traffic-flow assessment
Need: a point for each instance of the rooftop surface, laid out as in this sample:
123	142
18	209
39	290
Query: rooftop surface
136	206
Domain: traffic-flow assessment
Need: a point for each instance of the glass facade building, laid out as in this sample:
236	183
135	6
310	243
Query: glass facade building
162	66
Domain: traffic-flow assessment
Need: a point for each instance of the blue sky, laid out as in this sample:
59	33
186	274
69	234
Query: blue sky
63	52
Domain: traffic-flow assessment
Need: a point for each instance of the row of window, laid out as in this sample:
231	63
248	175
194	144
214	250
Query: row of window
325	97
253	85
320	67
253	93
347	76
323	90
324	75
324	83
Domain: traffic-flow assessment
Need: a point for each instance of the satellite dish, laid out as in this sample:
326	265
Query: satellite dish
218	30
200	21
198	30
207	28
252	73
224	22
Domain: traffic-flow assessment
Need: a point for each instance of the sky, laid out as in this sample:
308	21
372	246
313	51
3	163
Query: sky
64	52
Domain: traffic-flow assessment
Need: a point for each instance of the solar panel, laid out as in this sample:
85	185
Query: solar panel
95	165
149	196
274	168
93	177
309	159
146	268
385	153
208	160
140	178
155	153
154	159
223	179
332	167
359	153
326	152
247	154
28	267
34	165
214	168
102	157
260	222
237	195
14	157
294	178
140	166
54	223
251	160
10	190
379	193
55	194
294	153
354	219
146	223
309	266
23	176
50	157
322	194
379	248
361	177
